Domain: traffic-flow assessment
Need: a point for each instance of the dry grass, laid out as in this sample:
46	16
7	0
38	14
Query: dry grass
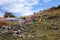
40	29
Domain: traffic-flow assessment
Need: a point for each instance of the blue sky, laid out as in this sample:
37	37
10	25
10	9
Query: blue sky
25	7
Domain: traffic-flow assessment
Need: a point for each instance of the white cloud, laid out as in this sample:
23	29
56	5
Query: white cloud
46	0
1	14
22	6
2	2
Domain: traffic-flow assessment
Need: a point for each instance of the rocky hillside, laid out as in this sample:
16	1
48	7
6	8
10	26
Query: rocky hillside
47	29
54	11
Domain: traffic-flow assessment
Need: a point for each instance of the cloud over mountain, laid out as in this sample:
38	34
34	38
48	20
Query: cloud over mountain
25	7
15	6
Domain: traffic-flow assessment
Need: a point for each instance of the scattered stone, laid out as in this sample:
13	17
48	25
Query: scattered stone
14	34
4	31
20	36
55	28
30	36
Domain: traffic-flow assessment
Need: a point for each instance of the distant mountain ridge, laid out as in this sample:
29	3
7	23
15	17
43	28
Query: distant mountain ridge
54	11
